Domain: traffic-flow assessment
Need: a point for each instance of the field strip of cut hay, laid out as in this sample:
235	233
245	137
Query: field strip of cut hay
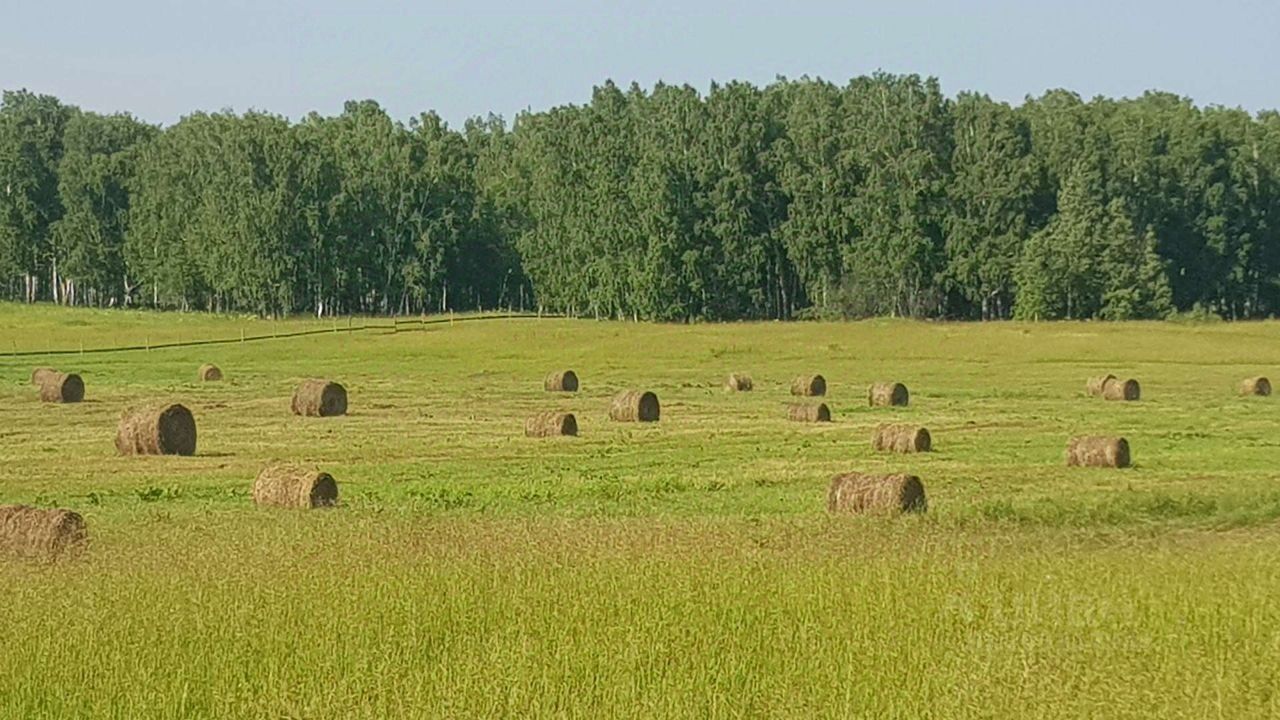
686	567
251	330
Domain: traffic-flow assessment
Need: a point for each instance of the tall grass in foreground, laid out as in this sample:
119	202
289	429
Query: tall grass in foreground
343	616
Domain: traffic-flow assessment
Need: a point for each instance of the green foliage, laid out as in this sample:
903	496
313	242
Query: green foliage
1090	262
354	213
1059	275
991	201
1197	315
799	199
1137	286
31	130
94	178
900	137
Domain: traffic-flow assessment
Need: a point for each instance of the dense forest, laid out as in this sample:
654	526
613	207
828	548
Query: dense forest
800	199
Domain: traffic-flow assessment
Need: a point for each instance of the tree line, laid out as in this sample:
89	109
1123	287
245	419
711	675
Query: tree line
802	198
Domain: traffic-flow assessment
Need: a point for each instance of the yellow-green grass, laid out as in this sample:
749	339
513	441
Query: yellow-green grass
685	568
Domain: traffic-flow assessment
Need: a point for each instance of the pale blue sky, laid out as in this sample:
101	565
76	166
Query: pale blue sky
161	60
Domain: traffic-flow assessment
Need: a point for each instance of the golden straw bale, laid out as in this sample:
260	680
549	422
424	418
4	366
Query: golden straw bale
887	394
1117	389
1098	451
809	386
800	412
319	398
562	381
901	439
1256	386
551	424
634	406
1094	385
162	429
293	486
864	493
35	533
60	387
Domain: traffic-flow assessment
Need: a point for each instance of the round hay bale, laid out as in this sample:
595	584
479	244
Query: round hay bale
319	398
29	532
562	381
38	375
165	429
901	439
209	373
862	493
809	386
292	486
887	394
551	424
1098	451
1093	386
634	406
799	412
61	388
738	382
1256	386
1116	389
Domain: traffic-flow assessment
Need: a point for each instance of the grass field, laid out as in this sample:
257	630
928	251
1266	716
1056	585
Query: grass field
683	569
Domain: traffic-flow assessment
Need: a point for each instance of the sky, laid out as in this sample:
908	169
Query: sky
162	60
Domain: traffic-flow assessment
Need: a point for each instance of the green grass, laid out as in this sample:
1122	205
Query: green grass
684	569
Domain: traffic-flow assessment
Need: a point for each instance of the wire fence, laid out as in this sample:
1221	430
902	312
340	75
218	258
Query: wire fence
393	325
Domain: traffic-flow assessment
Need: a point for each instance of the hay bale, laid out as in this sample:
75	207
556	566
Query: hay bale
634	406
1098	451
738	382
319	398
901	439
164	429
1116	389
551	424
563	381
38	375
209	373
293	486
862	493
799	412
887	394
61	388
1093	386
1256	386
809	386
36	533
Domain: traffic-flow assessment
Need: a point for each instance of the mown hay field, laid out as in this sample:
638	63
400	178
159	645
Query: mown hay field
684	568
